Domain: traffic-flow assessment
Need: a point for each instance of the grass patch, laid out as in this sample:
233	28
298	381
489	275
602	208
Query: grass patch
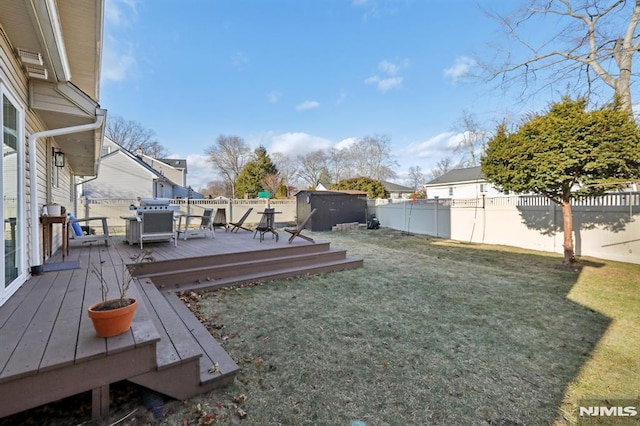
427	332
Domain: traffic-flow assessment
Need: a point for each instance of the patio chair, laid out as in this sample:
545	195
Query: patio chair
220	219
238	225
86	233
206	225
266	224
296	232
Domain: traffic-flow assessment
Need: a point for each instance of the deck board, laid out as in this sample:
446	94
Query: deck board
30	351
61	349
213	353
16	327
176	346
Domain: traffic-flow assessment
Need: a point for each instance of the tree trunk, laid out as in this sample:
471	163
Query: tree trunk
567	216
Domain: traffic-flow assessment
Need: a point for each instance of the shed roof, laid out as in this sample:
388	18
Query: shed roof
341	192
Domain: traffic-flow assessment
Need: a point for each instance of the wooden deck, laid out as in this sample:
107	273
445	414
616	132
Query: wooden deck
49	349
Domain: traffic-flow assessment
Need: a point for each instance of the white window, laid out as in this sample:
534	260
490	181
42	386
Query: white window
484	188
451	191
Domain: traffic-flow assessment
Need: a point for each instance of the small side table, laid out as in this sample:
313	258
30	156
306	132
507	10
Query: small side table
47	235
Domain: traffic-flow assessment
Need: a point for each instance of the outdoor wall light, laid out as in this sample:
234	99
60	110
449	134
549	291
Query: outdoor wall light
58	159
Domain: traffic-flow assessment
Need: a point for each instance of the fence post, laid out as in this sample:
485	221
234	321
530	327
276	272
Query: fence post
435	214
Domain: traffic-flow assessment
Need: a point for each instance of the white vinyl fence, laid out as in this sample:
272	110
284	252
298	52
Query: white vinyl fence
606	227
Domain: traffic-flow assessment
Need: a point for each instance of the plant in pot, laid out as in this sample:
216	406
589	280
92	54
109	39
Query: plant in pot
112	317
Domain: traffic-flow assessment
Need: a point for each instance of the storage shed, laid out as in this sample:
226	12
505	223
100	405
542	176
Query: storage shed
333	207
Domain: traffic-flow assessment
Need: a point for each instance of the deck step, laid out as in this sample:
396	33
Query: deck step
262	275
160	267
218	271
189	360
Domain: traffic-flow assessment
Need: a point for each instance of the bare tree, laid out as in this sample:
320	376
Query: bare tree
131	136
287	168
338	164
473	141
271	182
594	42
229	156
313	166
416	177
442	166
371	157
214	189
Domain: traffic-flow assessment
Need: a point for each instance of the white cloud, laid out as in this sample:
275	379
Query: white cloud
389	83
118	57
460	69
307	105
388	68
346	143
274	96
388	78
199	171
342	96
120	12
239	59
370	8
297	143
118	60
436	147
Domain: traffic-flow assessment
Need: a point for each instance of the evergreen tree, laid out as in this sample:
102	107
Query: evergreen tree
372	187
250	181
565	154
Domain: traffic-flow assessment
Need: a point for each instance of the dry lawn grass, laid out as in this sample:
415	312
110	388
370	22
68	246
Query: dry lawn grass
428	332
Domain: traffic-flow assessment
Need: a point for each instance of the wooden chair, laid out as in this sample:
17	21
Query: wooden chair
266	224
220	219
296	232
206	225
238	225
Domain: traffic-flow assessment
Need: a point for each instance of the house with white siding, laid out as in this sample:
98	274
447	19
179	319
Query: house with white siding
397	191
127	175
461	183
52	123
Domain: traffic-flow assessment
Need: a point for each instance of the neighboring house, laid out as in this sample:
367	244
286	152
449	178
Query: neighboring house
127	175
172	168
395	191
50	56
470	183
461	183
398	192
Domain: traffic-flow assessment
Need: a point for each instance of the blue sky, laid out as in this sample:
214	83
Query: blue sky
299	75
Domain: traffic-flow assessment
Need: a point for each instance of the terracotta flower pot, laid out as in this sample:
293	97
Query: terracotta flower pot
112	322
